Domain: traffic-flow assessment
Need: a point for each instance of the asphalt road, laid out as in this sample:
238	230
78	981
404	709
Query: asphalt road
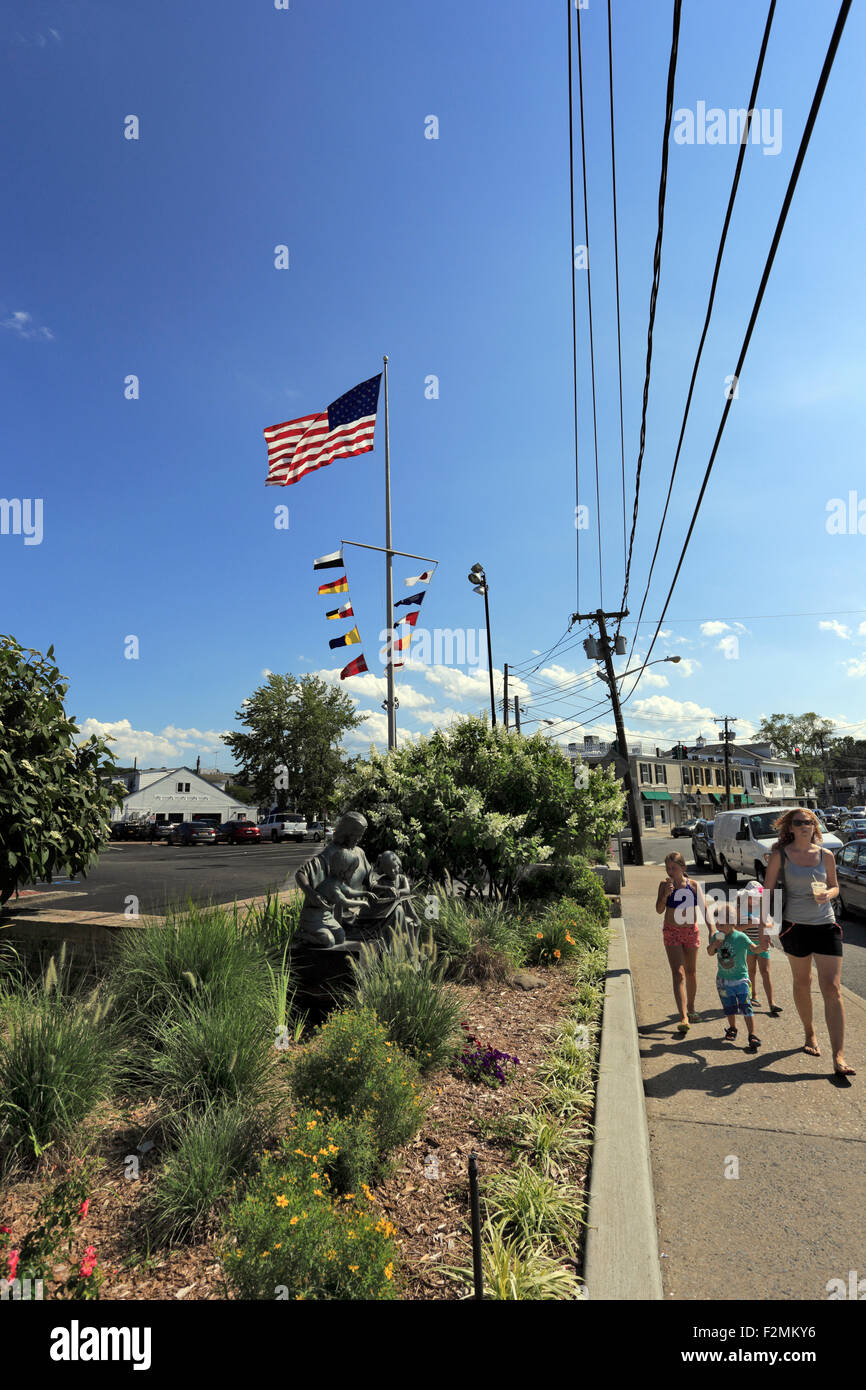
655	847
159	875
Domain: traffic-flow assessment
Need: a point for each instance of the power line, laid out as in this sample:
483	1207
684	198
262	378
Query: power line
589	305
657	261
715	280
573	298
777	236
616	268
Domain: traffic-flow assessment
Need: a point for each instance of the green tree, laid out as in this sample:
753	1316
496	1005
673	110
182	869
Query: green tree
801	737
55	799
291	749
476	802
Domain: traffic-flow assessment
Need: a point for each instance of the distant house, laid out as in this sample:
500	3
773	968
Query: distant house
178	794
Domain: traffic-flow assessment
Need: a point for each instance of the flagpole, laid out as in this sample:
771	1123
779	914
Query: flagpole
389	591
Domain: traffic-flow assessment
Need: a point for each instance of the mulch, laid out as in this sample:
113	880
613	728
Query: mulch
426	1196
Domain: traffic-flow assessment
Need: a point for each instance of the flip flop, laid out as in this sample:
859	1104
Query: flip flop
844	1071
775	1011
694	1016
683	1028
811	1051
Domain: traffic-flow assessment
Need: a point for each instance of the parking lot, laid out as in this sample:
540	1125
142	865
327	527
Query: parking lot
159	875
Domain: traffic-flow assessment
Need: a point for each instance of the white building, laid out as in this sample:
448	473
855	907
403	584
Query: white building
178	794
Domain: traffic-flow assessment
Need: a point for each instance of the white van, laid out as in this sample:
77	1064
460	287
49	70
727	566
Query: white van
744	839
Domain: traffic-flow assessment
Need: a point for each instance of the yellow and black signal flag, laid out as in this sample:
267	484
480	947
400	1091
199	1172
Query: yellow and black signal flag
336	586
347	640
347	611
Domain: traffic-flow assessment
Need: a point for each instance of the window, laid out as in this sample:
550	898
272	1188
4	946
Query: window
849	853
183	786
647	817
661	773
753	779
663	815
646	772
720	777
687	776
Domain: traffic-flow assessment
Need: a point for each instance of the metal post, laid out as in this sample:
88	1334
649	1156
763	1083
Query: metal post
489	654
517	714
475	1219
505	696
389	592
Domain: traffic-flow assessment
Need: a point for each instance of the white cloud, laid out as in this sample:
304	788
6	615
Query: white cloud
266	671
170	745
834	626
370	686
654	678
730	645
861	630
714	629
21	322
856	667
461	685
687	666
666	709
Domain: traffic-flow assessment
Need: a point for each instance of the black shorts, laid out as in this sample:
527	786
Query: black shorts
800	939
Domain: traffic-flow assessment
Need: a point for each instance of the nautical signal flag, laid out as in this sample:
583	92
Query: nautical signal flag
410	618
420	578
354	668
347	611
329	562
336	586
345	429
347	640
407	602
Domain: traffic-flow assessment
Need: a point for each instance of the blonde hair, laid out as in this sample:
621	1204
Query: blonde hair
675	858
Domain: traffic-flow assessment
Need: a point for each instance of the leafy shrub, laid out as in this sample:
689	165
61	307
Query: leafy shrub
297	1241
405	988
198	954
551	943
571	879
57	1062
342	1149
207	1052
553	1143
214	1147
353	1068
529	1207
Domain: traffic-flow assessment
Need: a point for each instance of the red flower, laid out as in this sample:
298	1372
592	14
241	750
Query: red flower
12	1261
88	1264
82	1210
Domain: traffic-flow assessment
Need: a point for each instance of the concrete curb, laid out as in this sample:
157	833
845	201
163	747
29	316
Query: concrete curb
622	1259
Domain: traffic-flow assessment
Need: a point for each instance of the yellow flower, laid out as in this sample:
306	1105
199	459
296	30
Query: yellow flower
264	1253
282	1201
332	1149
539	935
311	1124
317	1192
279	1245
353	1269
556	954
294	1221
389	1270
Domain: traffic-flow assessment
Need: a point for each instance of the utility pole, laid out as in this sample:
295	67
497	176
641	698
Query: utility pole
604	651
505	696
517	713
728	737
829	776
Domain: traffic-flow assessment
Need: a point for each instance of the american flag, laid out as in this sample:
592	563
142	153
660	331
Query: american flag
343	430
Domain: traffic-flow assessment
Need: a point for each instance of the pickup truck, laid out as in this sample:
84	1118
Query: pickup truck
283	825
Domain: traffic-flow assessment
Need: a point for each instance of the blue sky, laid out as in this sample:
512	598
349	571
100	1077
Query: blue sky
306	127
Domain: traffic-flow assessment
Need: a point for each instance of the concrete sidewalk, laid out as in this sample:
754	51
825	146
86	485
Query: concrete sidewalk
795	1216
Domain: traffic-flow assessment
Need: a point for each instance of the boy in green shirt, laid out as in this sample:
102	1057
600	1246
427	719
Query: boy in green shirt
733	949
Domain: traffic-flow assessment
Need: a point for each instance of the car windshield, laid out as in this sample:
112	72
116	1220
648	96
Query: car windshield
763	827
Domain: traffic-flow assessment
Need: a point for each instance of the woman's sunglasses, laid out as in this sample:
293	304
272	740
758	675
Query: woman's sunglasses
801	822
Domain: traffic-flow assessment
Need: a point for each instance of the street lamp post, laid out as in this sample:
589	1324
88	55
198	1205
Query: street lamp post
478	579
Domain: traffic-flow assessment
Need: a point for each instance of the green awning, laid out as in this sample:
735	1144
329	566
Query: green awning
656	796
747	801
714	796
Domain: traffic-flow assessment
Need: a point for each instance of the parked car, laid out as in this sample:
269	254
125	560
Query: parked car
858	812
317	830
193	832
703	848
851	873
163	829
685	829
283	825
238	832
744	840
853	830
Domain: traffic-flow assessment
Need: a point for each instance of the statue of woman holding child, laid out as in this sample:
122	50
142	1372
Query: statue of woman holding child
346	901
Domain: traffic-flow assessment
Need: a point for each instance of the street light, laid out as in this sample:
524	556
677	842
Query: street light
478	579
603	677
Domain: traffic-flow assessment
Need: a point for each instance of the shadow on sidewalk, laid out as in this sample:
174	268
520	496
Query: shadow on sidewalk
697	1073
